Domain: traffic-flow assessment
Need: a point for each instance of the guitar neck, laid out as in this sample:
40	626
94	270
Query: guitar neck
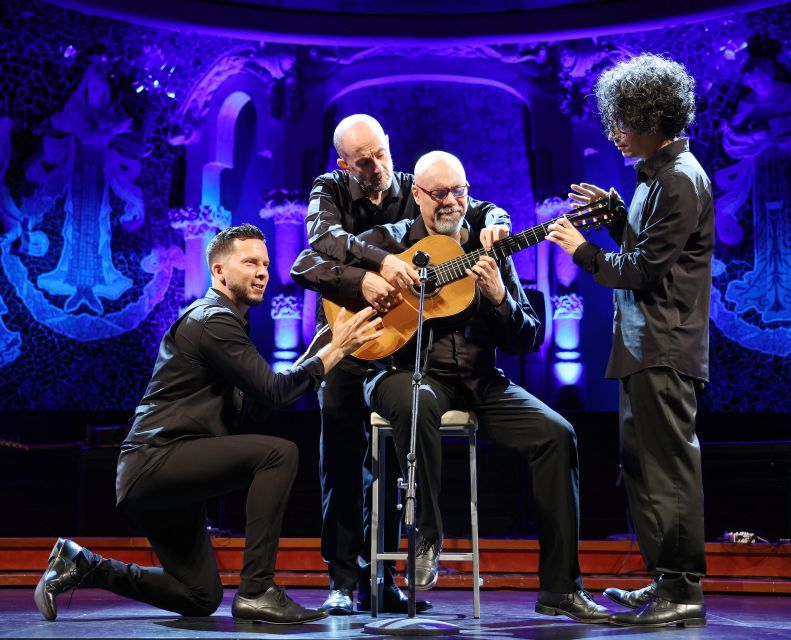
455	269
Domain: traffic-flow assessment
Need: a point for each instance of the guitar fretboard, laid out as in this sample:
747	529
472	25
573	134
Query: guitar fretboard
455	268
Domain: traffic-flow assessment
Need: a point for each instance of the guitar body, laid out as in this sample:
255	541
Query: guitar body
400	322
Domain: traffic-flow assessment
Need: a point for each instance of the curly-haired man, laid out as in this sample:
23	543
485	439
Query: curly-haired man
661	279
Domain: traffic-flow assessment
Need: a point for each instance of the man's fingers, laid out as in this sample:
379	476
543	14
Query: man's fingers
374	324
365	312
369	336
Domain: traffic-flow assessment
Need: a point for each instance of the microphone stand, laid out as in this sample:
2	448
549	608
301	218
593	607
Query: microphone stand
412	625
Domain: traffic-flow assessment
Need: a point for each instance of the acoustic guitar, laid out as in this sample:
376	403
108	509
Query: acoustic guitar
449	290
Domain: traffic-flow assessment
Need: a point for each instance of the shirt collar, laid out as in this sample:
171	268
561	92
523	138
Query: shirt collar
225	301
647	169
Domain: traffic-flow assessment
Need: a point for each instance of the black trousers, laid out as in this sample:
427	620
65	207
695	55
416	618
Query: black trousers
660	456
346	480
512	418
167	503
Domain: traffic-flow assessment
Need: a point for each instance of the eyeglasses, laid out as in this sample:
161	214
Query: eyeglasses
438	195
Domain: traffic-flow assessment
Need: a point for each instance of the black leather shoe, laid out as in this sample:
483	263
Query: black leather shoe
578	606
62	574
393	601
632	599
338	603
663	613
426	563
273	606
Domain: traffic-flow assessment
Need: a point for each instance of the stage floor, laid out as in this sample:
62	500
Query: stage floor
504	614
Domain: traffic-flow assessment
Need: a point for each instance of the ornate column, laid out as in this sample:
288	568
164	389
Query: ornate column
565	358
198	224
288	214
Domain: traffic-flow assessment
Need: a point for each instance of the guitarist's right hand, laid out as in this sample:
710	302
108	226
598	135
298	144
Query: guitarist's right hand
349	334
398	273
379	293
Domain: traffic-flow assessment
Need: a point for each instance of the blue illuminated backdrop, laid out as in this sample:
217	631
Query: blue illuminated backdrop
124	147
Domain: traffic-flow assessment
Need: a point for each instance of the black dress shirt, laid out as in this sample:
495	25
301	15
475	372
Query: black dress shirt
662	274
208	378
339	211
464	352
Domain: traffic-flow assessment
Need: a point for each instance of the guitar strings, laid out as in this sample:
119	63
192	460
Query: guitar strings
454	268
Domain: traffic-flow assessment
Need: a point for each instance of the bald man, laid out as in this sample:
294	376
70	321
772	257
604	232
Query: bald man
364	191
461	373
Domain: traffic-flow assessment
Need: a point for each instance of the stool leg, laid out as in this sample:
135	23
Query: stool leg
476	572
376	460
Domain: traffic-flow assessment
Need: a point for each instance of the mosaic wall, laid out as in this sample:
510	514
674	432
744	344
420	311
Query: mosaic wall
87	179
95	115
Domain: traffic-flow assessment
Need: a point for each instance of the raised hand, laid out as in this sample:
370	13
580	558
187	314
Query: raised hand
349	334
585	193
487	274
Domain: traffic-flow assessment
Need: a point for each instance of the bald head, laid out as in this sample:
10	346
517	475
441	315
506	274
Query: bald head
364	153
436	162
355	129
440	173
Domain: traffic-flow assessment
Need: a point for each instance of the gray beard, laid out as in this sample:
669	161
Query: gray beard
446	226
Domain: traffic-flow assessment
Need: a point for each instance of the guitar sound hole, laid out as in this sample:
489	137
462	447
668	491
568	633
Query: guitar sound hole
431	290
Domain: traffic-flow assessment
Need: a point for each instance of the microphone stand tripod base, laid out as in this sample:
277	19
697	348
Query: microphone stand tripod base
411	627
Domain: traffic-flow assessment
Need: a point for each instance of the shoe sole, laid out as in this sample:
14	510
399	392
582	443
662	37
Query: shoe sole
623	604
427	587
251	621
554	611
337	611
689	622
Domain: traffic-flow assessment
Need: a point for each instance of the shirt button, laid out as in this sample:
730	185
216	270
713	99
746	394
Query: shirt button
241	393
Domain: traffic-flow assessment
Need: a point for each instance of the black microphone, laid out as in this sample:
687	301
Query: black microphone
421	259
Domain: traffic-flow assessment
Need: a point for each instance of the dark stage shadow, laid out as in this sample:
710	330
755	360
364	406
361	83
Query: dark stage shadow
226	624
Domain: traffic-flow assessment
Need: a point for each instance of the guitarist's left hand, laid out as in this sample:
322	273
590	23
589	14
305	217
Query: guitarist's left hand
490	235
487	274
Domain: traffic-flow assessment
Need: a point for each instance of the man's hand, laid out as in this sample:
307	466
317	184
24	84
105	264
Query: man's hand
585	193
490	235
349	334
378	292
487	274
398	273
565	235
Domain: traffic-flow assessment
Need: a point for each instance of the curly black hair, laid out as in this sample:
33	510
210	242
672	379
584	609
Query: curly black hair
223	241
648	93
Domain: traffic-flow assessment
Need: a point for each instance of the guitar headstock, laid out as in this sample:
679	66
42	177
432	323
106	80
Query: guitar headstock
595	214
